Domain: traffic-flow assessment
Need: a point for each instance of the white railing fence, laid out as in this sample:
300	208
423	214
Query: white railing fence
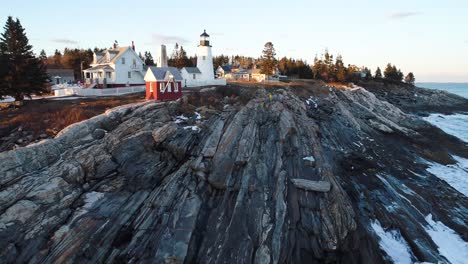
99	92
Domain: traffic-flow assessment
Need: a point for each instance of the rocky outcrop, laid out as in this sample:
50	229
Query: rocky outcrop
274	180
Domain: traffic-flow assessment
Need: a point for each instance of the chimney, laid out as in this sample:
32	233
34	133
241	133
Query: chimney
133	45
116	44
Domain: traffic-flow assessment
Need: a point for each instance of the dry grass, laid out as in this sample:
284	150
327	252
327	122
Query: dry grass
39	117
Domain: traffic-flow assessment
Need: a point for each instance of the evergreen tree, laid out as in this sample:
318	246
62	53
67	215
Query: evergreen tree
43	56
410	78
21	74
268	60
57	58
148	59
378	73
368	73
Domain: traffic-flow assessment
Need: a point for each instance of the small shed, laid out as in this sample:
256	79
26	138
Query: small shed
163	83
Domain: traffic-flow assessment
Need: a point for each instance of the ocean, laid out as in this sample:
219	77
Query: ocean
455	88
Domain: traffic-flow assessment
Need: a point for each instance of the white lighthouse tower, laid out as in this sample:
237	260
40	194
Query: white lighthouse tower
205	58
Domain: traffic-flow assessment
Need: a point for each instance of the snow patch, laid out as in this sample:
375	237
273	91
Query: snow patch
393	244
455	125
456	175
193	128
7	99
450	244
309	158
180	119
311	101
198	116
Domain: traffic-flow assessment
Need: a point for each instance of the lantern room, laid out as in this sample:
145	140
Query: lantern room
205	39
163	83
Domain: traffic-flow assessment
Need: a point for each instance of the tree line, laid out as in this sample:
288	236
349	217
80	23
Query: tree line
22	73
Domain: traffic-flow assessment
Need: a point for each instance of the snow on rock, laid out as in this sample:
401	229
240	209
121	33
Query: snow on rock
393	244
309	158
455	125
198	116
456	175
180	119
7	99
193	128
450	244
311	101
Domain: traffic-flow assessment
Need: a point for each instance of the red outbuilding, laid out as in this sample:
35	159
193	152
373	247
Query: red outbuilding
163	83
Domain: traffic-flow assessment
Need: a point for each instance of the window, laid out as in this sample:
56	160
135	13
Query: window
129	75
204	57
176	88
151	87
123	61
161	87
108	75
88	75
194	76
134	63
100	74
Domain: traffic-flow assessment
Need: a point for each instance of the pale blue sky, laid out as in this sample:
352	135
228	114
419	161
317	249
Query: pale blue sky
428	37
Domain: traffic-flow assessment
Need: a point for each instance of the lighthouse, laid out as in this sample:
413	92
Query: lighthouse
205	58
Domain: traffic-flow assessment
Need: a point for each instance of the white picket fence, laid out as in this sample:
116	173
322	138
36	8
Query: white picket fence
98	92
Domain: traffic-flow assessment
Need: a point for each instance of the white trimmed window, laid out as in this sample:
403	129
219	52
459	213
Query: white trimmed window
151	87
161	87
194	76
123	60
129	75
176	87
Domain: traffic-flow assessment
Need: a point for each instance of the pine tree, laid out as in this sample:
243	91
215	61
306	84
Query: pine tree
148	59
57	58
410	78
378	73
43	56
268	60
21	74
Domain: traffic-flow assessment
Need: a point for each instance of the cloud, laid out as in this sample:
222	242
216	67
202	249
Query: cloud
401	15
167	39
65	41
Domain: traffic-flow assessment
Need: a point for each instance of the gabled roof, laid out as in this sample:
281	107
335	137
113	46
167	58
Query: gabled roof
163	73
226	68
68	73
192	70
114	54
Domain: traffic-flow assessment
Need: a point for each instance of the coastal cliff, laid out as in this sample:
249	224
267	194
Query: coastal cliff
301	173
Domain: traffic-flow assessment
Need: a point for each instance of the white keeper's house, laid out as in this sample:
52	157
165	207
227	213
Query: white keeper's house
115	67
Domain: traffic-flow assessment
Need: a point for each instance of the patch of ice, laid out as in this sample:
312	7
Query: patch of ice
456	175
193	128
309	158
455	125
450	244
393	244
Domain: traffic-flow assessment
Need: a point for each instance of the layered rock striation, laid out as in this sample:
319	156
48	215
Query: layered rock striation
292	175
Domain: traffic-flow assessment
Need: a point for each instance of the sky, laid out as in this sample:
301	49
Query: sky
429	38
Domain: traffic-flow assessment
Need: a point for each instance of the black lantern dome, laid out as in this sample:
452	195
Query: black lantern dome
204	39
